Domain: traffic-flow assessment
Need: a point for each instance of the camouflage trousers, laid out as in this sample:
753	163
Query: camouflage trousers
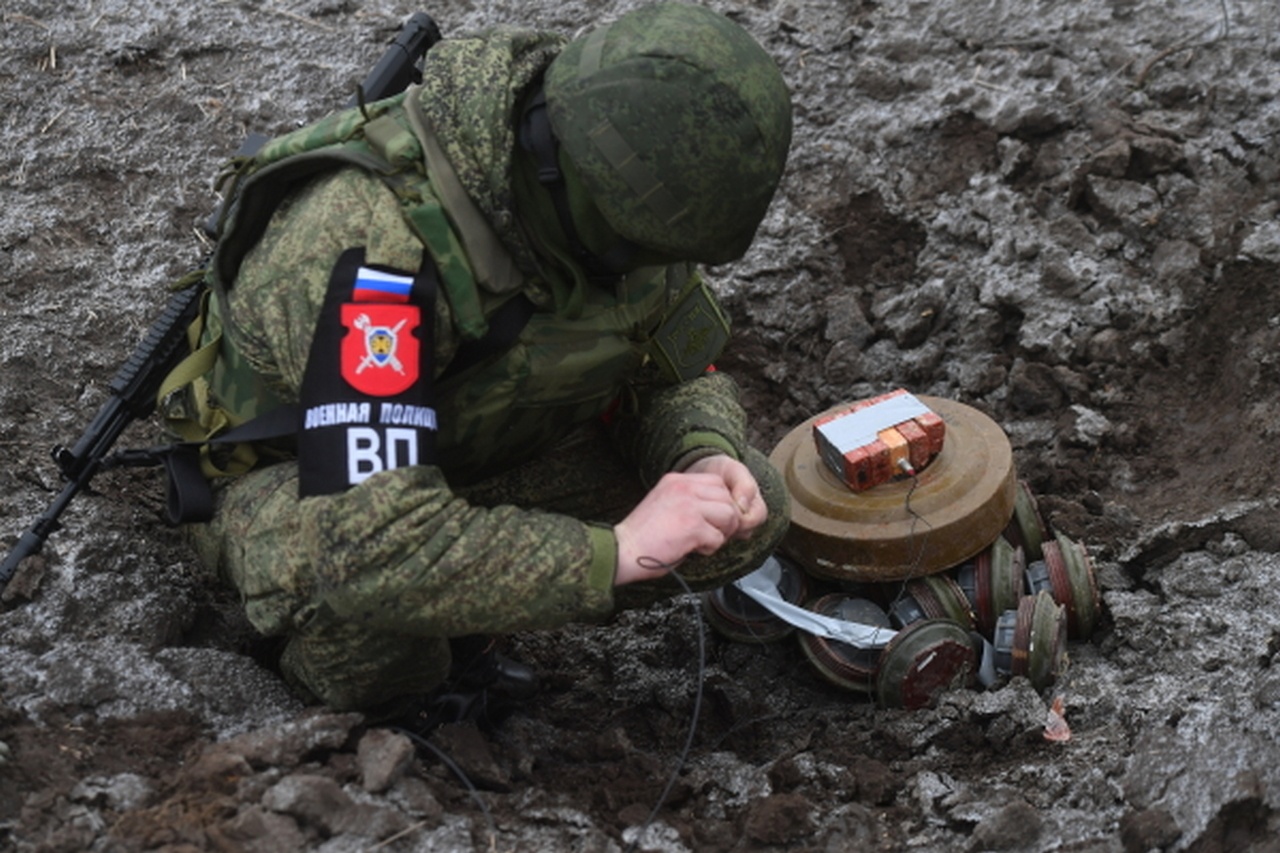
345	664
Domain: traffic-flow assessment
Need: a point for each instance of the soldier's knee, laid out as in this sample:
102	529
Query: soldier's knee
350	668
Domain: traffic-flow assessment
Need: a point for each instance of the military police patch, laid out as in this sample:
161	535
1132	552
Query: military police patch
366	397
379	352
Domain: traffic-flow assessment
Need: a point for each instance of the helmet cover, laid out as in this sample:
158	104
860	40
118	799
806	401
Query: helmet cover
678	122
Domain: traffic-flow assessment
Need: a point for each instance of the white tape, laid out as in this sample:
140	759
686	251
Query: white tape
762	587
987	668
856	429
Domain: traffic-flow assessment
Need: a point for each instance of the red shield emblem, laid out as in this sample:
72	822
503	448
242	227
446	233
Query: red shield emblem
379	350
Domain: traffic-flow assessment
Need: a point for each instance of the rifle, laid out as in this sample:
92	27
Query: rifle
132	392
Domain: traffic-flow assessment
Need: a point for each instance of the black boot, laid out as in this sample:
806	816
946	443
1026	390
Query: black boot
484	686
477	664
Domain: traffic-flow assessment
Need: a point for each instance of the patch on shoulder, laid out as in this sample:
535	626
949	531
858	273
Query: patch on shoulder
367	397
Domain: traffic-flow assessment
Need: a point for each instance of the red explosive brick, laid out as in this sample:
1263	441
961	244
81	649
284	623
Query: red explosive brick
916	441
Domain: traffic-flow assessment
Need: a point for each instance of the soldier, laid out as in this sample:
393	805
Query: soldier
488	320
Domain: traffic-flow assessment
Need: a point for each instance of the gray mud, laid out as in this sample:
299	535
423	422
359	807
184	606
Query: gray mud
1061	214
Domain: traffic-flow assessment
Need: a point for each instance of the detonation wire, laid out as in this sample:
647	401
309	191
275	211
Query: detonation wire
915	516
460	773
913	568
647	563
655	564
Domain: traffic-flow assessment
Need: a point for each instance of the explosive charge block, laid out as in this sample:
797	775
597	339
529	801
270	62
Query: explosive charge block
875	440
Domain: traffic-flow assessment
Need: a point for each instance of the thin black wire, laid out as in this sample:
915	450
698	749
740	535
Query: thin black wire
651	563
457	771
914	565
645	562
915	516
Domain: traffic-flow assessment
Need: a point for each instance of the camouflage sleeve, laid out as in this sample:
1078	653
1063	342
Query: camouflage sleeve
400	547
400	552
283	280
667	427
429	561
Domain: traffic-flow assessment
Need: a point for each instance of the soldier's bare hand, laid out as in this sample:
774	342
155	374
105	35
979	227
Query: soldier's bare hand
741	484
686	513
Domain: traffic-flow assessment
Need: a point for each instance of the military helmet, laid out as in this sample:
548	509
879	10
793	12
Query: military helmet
678	123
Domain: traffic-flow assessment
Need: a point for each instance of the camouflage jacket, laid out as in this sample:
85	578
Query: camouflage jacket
584	350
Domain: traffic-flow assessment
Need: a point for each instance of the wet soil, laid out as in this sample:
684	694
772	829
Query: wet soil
1062	215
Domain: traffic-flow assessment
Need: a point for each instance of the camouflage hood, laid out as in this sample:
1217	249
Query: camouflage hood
471	90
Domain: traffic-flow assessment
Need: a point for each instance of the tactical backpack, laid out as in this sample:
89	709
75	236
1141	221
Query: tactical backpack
393	140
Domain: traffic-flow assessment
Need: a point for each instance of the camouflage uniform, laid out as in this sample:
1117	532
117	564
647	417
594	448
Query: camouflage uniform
511	529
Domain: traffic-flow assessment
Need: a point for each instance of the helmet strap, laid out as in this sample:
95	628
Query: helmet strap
537	138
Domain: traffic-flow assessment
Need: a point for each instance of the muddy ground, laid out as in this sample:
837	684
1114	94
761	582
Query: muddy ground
1062	214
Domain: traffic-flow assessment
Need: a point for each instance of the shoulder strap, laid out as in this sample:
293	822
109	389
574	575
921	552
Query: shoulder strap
189	492
257	197
505	326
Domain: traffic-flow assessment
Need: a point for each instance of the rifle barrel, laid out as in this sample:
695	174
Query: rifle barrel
32	540
134	387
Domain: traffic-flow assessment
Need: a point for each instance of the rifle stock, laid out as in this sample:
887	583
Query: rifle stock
134	387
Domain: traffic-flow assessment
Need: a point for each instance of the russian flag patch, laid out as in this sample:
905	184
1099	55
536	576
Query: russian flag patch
378	286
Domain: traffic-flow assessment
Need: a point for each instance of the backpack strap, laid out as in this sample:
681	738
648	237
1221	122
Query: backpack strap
232	449
189	493
505	326
392	140
537	137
